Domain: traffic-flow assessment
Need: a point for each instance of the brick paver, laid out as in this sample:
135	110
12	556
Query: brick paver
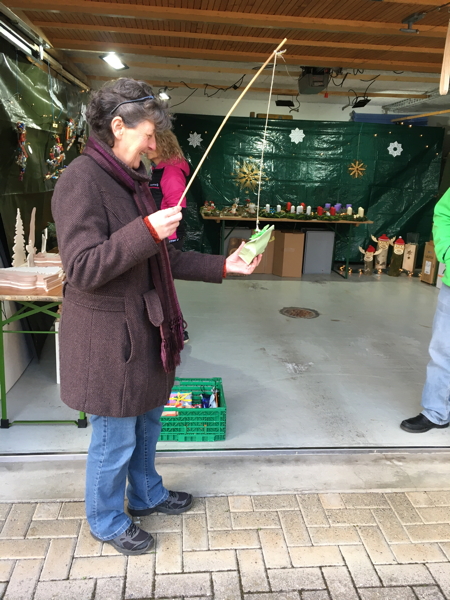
328	546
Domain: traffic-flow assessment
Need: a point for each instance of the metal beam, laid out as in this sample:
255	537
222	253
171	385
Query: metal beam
141	11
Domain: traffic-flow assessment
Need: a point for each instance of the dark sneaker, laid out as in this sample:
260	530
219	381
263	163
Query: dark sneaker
176	503
131	542
185	336
420	424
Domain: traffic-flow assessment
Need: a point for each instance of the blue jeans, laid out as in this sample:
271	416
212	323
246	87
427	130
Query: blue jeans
436	392
120	448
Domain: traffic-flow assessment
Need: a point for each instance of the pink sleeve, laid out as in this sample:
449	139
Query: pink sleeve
173	183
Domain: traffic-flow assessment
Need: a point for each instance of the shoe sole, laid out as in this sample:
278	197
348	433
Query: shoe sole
151	543
166	511
424	430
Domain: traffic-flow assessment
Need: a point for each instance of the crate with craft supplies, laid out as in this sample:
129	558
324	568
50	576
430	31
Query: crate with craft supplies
196	411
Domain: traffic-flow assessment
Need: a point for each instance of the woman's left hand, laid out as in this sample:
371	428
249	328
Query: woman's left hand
235	264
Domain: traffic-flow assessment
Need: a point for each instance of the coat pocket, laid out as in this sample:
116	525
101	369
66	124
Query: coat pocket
153	307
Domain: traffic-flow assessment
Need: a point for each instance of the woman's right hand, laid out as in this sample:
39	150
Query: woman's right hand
166	221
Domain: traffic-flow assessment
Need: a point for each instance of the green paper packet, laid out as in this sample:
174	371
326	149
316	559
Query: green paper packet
257	244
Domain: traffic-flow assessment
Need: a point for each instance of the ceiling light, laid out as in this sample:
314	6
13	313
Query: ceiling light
114	61
15	39
410	21
163	95
287	103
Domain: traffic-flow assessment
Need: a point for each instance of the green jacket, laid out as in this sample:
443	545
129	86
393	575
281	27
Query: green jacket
441	233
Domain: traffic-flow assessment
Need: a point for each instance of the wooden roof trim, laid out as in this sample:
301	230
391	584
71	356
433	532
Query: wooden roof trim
243	71
329	61
276	91
112	9
234	38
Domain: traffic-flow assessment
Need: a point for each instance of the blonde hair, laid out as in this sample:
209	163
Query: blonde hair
167	146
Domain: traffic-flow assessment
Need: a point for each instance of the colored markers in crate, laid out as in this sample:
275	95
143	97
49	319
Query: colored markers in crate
208	399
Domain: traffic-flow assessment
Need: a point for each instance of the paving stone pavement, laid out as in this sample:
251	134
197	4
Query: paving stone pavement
348	546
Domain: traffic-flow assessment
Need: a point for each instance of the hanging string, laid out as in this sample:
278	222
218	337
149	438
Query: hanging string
261	163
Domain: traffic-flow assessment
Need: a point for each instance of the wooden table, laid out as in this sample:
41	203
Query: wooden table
329	224
29	306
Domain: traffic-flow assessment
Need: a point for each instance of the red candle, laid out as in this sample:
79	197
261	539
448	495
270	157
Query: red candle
288	206
319	211
332	211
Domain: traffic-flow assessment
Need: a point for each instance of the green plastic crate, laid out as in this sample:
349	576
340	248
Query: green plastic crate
196	424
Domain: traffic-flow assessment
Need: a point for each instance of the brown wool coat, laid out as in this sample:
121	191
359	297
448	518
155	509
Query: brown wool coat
109	332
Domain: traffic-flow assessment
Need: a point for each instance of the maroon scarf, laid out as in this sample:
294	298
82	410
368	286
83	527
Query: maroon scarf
137	181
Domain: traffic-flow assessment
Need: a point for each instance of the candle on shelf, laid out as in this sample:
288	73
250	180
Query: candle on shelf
360	212
300	209
308	210
349	210
288	207
332	211
267	207
327	206
319	211
338	207
278	208
292	209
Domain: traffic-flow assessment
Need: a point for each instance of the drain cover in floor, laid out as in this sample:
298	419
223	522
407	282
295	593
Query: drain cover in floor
299	313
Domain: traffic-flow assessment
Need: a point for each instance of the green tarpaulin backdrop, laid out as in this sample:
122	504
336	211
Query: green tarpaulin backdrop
398	190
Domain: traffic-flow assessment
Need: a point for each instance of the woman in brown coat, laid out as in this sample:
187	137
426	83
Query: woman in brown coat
121	331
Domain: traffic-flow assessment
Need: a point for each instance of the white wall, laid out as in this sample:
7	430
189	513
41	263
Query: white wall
314	111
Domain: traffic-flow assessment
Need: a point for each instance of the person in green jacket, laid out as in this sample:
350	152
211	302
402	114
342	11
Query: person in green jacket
436	391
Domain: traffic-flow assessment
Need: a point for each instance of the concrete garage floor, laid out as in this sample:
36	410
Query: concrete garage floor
343	380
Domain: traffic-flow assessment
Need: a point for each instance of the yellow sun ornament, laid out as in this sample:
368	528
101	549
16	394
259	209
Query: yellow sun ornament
356	169
247	176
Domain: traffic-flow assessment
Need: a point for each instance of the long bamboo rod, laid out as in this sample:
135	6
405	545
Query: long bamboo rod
445	71
429	114
226	119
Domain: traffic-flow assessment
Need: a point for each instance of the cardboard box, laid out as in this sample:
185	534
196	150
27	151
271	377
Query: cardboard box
288	254
429	265
410	257
440	275
266	264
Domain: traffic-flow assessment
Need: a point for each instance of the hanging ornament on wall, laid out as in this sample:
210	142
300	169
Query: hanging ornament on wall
81	140
297	135
71	133
395	149
356	169
247	176
22	154
195	139
56	160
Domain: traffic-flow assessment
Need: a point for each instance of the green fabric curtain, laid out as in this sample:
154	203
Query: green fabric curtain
398	190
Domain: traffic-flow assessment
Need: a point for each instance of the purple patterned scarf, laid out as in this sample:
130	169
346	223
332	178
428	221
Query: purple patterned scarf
137	181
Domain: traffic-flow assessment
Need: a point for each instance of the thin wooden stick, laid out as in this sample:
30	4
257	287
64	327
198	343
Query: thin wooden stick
428	114
226	119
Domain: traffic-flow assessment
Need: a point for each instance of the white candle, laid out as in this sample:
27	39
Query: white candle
267	207
278	208
360	212
300	209
308	210
327	213
292	209
349	210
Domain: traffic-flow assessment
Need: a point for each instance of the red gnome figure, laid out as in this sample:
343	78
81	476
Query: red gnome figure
368	259
395	267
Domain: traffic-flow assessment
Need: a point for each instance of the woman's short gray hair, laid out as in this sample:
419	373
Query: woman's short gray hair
103	107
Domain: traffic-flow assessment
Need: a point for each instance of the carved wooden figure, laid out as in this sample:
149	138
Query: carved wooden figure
368	259
395	268
383	243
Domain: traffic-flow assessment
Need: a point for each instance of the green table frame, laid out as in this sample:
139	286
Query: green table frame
332	225
29	307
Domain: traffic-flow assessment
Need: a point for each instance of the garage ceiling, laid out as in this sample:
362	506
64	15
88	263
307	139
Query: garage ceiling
181	43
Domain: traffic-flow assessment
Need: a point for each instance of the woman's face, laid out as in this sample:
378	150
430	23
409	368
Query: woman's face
152	154
130	143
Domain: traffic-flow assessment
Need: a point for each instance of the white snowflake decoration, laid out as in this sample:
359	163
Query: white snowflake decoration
395	149
297	135
195	139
